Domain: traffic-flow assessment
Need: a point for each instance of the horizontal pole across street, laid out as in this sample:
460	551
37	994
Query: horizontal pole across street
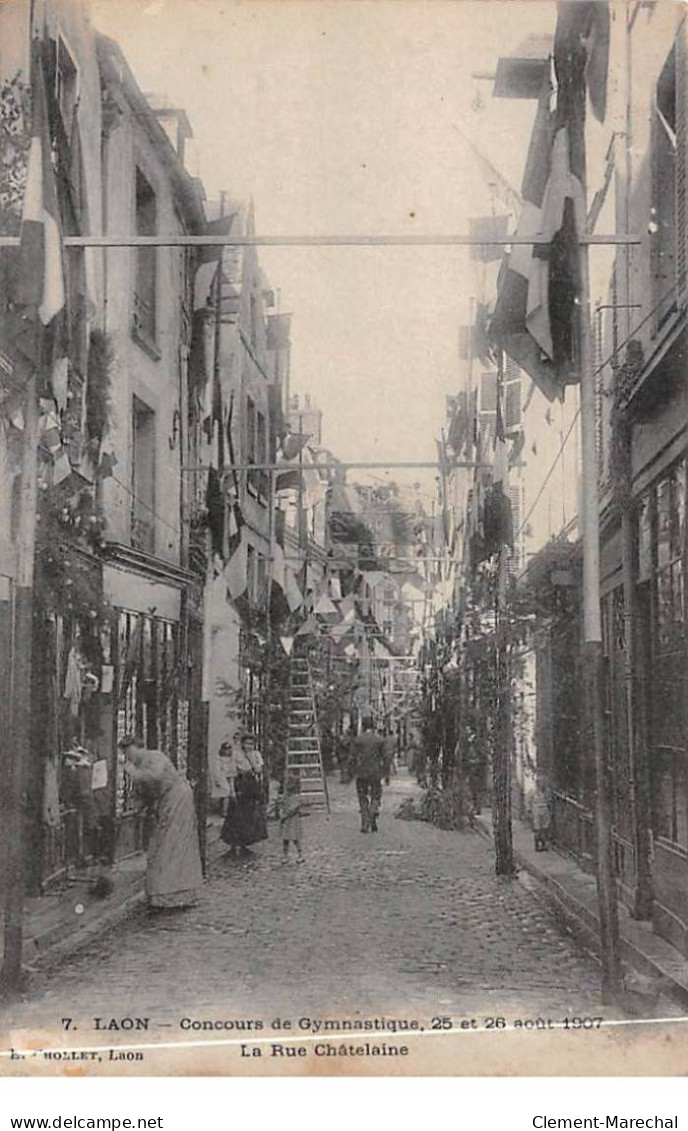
340	465
429	240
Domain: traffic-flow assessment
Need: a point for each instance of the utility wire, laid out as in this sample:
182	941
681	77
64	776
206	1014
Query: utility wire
146	505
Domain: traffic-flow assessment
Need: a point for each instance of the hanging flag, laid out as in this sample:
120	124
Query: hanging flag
205	283
347	610
285	595
457	433
215	507
324	607
310	627
41	278
287	643
499	462
280	605
509	327
34	286
442	458
235	572
581	44
279	566
482	349
293	593
293	443
536	319
337	631
517	448
497	518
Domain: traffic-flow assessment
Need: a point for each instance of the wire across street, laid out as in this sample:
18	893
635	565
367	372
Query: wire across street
427	240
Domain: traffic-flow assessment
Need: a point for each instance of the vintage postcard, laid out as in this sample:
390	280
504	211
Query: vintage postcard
343	551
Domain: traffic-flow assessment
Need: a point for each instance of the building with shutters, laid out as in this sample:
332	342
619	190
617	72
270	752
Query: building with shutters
253	343
117	608
636	183
642	299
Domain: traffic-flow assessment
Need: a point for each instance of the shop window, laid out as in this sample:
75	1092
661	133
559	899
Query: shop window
668	660
143	477
145	293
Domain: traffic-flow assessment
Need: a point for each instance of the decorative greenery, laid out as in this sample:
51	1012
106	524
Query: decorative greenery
620	457
15	142
447	808
68	534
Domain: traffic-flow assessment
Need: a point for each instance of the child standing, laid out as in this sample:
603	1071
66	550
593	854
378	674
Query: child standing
290	816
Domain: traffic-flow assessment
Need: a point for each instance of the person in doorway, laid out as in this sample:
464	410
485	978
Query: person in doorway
369	768
290	809
246	818
174	875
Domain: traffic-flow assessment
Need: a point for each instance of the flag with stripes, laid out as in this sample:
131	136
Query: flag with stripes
235	572
205	282
536	318
33	283
41	277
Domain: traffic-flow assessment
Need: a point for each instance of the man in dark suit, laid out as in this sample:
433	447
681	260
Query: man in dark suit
369	766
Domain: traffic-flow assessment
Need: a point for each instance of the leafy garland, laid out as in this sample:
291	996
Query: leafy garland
15	142
69	534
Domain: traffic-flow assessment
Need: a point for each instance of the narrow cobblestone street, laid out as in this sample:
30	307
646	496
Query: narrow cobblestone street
409	922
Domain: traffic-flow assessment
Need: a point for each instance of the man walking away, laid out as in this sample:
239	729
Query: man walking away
369	766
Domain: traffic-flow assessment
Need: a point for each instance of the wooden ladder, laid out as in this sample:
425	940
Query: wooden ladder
303	744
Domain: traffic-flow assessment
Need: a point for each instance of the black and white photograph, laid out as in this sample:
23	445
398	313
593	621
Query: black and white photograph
343	540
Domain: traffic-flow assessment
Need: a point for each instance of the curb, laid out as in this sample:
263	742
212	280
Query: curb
584	924
66	938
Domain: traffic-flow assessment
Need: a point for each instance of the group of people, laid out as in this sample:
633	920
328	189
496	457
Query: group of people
174	874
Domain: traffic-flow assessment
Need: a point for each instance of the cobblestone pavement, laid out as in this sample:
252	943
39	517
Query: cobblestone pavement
409	922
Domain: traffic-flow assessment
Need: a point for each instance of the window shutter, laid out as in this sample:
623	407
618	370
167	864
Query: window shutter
681	156
515	493
488	392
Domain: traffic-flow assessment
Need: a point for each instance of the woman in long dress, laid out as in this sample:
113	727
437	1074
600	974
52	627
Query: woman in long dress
173	875
245	821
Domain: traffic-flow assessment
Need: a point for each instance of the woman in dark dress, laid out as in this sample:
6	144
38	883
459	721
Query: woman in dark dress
245	821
